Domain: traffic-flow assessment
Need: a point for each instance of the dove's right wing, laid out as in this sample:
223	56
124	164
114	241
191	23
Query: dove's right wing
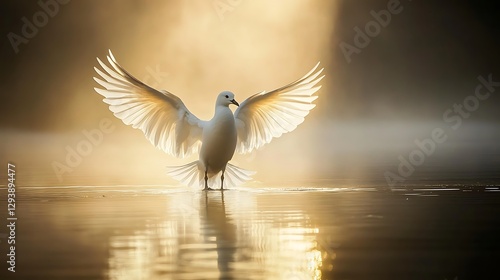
267	115
161	115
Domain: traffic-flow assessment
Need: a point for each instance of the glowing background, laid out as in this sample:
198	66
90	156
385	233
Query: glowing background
369	111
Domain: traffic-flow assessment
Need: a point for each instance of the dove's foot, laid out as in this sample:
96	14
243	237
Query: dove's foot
222	181
206	180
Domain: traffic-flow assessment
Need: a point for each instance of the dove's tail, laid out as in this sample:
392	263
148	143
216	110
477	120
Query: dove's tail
192	175
235	176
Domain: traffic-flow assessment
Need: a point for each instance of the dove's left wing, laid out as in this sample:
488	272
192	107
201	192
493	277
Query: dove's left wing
265	116
161	115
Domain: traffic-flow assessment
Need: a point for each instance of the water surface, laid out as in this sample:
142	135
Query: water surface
155	232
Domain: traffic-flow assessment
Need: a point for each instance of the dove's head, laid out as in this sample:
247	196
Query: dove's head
226	98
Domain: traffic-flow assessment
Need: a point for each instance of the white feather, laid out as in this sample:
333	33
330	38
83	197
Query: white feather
265	116
170	126
161	115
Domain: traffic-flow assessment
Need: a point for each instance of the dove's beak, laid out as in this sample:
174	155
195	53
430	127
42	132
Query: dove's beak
235	103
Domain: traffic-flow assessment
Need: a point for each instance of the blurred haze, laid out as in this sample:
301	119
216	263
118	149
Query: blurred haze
370	110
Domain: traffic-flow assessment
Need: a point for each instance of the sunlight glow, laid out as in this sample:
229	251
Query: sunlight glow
203	235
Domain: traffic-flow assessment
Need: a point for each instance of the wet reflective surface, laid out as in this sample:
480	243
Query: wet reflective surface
145	232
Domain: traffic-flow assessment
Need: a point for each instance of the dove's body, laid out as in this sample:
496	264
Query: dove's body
170	126
218	141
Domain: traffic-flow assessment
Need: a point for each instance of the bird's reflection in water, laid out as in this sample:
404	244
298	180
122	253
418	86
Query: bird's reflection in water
220	229
217	235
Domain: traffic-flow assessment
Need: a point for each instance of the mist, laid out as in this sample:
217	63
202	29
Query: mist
371	109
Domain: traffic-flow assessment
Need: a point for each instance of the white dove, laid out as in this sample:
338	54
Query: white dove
170	126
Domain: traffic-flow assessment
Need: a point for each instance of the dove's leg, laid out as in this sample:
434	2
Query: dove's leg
222	180
206	180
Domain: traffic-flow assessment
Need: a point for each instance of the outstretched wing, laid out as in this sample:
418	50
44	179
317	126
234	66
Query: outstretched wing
161	115
265	116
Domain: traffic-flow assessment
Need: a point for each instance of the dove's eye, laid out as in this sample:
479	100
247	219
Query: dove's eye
227	96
